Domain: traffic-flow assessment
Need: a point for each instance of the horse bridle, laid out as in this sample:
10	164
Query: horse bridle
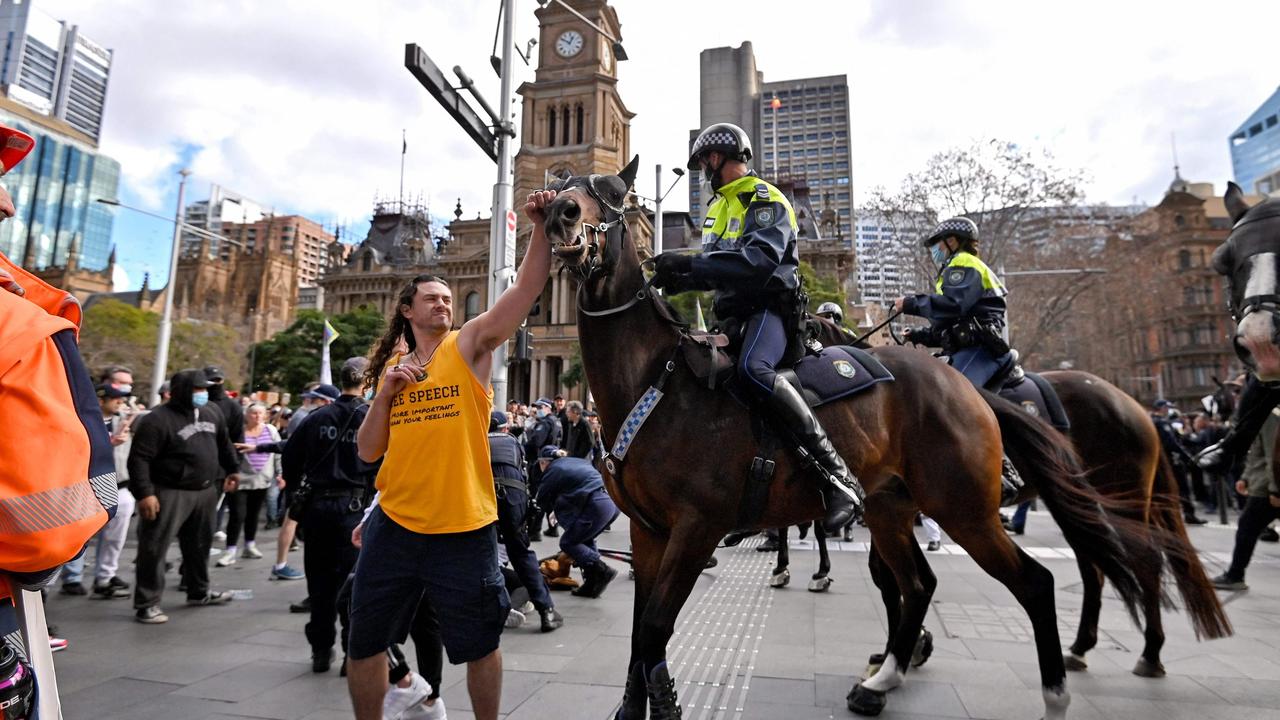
1252	303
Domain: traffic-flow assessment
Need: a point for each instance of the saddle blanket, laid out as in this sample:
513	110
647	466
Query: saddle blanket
1035	395
839	371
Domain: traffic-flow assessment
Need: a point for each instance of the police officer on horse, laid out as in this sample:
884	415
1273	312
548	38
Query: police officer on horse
749	258
967	307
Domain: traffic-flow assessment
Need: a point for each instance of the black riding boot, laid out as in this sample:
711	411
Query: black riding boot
843	494
1252	409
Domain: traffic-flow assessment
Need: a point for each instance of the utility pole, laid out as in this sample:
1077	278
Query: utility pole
166	318
657	209
502	229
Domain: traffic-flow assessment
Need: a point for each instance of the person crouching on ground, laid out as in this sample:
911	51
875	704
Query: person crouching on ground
573	489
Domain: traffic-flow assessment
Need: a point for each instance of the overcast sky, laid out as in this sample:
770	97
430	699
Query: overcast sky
300	103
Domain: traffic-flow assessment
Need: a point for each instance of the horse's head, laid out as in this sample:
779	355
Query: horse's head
1250	259
585	222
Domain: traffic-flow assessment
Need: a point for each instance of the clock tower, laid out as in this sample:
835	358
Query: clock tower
573	123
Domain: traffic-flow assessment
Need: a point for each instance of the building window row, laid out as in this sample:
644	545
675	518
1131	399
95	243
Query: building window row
561	121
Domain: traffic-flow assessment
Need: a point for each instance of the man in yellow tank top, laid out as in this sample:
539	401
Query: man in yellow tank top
433	531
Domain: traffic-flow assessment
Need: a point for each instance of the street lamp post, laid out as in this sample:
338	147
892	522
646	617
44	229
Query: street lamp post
166	318
657	203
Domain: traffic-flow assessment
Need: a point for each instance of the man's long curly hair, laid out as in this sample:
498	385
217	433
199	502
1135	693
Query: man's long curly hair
397	329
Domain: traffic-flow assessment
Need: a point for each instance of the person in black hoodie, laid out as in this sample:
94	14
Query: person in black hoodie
180	450
233	414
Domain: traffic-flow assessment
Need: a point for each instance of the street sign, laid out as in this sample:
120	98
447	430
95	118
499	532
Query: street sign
511	233
435	82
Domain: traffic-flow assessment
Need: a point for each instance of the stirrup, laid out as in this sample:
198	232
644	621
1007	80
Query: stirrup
1011	482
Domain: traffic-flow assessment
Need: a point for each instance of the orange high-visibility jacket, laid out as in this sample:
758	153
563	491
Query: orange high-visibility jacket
57	475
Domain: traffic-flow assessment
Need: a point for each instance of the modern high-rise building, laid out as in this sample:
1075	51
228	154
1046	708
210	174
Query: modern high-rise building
58	221
799	129
222	207
1255	149
53	68
886	267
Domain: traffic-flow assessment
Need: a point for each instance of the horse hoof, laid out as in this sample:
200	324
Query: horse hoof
1076	663
924	648
1147	669
865	702
873	665
781	579
819	584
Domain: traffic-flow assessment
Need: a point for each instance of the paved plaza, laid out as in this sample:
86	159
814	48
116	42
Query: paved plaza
742	650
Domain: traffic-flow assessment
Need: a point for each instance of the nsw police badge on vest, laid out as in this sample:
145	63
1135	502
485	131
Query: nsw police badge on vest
764	217
955	277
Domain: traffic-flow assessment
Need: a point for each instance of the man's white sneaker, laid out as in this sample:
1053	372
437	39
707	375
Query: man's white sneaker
400	701
435	711
228	558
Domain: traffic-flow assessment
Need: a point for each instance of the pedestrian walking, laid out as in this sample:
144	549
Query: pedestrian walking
247	500
331	486
575	431
180	449
1258	482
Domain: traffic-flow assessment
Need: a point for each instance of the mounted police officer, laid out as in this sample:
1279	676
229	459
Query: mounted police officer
966	309
831	311
332	486
749	258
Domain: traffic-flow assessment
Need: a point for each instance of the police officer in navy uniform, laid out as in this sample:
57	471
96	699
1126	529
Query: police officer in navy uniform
332	486
749	258
831	311
506	457
546	430
574	490
967	308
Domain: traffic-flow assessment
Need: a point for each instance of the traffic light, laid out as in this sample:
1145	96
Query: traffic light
524	344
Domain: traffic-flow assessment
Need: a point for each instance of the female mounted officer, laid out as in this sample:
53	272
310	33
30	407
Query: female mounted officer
966	310
749	258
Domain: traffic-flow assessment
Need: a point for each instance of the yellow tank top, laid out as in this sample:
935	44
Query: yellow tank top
435	477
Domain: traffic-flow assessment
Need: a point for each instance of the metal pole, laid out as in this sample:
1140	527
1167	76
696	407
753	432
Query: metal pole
502	254
166	318
657	209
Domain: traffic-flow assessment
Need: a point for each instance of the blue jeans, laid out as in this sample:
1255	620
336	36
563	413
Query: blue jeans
1019	521
582	522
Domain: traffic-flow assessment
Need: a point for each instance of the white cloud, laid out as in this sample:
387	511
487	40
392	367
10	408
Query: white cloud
119	279
300	104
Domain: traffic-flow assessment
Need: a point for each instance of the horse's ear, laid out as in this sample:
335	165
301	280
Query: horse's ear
1234	199
628	174
1221	259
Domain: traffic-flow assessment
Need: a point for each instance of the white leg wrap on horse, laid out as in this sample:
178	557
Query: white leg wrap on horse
1056	700
887	678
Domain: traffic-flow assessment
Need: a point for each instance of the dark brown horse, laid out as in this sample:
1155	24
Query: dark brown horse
928	440
1120	450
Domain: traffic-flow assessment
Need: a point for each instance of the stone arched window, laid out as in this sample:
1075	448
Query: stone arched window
1184	259
472	306
579	121
564	114
366	263
551	127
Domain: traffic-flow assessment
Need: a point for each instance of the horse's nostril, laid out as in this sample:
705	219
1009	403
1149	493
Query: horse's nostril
572	212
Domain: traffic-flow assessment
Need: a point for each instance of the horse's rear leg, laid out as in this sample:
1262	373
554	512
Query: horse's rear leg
1087	633
1032	584
646	557
1148	572
820	582
682	562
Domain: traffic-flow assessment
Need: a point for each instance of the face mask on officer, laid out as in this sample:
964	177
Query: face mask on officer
200	398
542	411
938	253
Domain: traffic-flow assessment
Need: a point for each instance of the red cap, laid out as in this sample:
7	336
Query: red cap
14	146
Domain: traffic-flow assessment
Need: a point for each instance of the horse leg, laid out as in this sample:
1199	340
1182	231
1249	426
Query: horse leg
891	526
684	555
646	556
892	599
1148	573
1032	584
820	582
1087	633
781	576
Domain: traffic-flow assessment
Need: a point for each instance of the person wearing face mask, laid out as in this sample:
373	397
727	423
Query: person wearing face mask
180	450
544	431
966	308
749	258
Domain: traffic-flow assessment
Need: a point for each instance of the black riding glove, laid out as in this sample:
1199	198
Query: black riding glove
669	267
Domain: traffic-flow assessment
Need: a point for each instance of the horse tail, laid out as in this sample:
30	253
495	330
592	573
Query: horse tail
1198	596
1094	526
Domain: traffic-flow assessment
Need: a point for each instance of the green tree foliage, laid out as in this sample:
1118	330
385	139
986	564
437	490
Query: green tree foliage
291	358
820	290
114	333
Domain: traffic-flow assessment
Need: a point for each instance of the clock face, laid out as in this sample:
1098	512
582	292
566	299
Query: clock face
569	43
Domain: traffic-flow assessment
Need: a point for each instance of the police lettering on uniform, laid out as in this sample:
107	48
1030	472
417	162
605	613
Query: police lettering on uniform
332	485
749	258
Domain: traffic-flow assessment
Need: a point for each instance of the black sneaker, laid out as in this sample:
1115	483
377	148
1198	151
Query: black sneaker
74	588
213	597
551	619
116	582
1226	582
107	591
1194	520
321	660
151	615
301	607
934	546
553	531
1269	535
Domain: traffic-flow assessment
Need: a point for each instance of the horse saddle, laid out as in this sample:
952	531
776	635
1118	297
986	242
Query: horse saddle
708	358
836	372
1035	395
